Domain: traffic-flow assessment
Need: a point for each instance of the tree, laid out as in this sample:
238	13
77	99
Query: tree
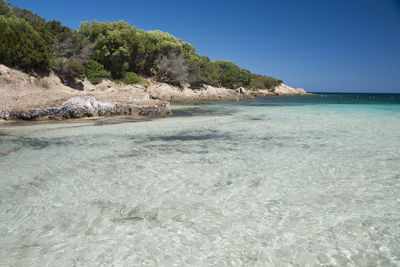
230	75
112	50
68	69
110	44
22	46
4	7
68	43
264	82
131	78
95	72
122	48
202	70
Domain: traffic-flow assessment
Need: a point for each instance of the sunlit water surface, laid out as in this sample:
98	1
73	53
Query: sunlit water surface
300	181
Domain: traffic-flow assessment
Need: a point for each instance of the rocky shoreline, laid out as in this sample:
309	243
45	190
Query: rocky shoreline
24	97
85	106
166	92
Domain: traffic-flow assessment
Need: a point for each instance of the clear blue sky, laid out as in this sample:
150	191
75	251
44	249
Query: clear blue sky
321	45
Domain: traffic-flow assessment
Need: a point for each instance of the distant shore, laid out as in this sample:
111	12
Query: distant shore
24	97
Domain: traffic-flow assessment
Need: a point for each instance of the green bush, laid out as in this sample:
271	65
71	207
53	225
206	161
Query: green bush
202	71
4	7
264	82
230	75
117	51
68	43
68	69
121	48
95	72
131	78
22	46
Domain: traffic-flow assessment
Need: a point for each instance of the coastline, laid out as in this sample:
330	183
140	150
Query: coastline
46	98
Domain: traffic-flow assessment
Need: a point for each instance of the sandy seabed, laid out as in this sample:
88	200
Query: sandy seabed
244	183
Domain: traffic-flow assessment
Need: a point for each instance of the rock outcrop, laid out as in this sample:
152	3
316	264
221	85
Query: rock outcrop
85	106
38	98
284	89
167	92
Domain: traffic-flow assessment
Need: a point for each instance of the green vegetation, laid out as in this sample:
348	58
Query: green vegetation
230	75
112	50
22	46
68	68
264	82
95	72
131	78
4	7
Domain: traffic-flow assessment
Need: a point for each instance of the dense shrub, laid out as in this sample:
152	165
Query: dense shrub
4	8
264	82
68	43
29	42
202	70
68	69
122	48
230	75
22	46
112	50
131	78
110	45
29	16
95	72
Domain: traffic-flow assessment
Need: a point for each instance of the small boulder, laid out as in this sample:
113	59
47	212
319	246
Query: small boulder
240	90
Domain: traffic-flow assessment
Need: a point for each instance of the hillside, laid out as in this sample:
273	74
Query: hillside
112	50
43	65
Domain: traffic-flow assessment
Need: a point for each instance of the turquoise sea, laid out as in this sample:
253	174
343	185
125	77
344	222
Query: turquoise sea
276	181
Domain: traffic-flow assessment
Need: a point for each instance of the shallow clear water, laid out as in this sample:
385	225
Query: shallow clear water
303	181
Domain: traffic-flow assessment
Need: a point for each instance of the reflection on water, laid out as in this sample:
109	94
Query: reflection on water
240	183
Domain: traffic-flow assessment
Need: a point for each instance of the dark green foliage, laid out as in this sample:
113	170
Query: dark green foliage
122	48
68	69
231	76
28	16
95	72
28	42
37	22
111	44
264	82
22	46
4	7
112	50
131	78
68	43
202	70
